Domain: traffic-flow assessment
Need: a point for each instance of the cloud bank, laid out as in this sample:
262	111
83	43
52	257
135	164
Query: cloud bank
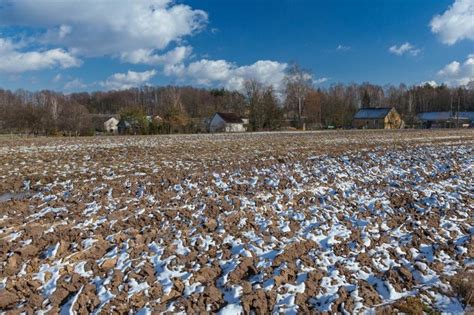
139	32
105	27
457	73
14	60
221	72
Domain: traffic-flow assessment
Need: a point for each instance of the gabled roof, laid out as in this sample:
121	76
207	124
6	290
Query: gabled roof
434	116
372	113
111	119
439	116
231	118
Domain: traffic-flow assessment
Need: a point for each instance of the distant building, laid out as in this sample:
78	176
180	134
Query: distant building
99	122
111	125
157	119
227	122
377	118
129	126
446	119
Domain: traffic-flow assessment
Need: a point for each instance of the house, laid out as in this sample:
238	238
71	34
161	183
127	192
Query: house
377	118
227	122
99	121
111	125
446	119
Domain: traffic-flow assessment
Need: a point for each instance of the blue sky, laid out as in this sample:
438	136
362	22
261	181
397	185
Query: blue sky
47	44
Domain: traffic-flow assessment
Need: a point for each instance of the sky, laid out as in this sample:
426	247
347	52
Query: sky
89	45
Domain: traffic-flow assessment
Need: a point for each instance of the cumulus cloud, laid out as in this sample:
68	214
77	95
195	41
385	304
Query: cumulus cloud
450	69
457	73
14	60
75	84
456	23
121	81
320	80
135	31
431	83
147	56
403	49
227	74
151	32
342	48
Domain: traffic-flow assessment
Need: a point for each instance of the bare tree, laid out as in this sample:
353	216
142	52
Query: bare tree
298	83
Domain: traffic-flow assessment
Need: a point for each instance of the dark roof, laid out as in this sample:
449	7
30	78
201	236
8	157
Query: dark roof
434	116
231	118
440	116
372	113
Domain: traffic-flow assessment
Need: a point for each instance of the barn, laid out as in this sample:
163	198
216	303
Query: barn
446	119
377	118
227	122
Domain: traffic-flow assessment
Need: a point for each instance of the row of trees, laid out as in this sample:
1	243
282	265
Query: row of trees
184	109
43	112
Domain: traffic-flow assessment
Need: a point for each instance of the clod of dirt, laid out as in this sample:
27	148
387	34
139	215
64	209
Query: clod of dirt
368	293
410	305
256	303
109	263
13	264
207	275
294	251
243	271
313	282
8	299
211	224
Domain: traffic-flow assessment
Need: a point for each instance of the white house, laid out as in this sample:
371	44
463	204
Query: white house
226	122
111	125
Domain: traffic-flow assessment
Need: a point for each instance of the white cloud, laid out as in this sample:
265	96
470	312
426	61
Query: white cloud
223	73
75	84
121	81
457	73
456	23
343	48
431	83
146	56
106	27
450	69
320	80
403	49
64	30
14	60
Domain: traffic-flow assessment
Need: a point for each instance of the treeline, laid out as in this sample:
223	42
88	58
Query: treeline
185	109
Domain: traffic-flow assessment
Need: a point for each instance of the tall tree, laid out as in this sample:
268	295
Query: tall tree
253	93
298	83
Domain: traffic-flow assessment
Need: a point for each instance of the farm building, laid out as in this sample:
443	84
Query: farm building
129	126
227	122
446	119
377	118
104	122
111	125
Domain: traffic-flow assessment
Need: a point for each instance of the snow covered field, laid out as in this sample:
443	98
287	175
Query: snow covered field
271	222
